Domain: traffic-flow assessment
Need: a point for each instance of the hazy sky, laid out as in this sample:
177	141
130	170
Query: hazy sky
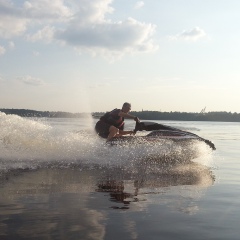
93	55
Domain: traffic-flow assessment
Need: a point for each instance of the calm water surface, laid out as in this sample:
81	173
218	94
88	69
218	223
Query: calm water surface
59	181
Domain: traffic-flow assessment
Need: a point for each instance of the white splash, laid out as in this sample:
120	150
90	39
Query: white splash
30	143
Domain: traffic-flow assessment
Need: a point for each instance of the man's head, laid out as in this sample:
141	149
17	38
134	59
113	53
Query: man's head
126	107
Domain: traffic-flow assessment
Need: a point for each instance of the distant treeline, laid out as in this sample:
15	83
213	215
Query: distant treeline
185	116
143	115
33	113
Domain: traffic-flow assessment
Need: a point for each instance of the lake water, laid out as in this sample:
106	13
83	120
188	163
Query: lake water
59	181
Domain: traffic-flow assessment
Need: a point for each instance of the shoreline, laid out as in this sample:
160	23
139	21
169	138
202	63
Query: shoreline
143	115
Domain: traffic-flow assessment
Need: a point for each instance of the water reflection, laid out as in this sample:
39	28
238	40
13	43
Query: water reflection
185	180
77	202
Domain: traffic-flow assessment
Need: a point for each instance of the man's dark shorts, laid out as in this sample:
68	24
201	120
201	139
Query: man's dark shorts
102	129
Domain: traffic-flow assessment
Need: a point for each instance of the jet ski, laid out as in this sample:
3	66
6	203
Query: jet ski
159	132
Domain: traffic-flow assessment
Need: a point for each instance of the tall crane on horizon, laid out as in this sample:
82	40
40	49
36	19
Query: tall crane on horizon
203	111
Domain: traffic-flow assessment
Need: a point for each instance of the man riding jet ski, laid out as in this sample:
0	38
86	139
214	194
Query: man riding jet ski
111	124
111	127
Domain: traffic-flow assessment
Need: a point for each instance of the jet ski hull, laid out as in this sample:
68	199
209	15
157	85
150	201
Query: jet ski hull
160	132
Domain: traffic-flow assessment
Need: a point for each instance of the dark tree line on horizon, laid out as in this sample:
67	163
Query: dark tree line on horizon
186	116
143	115
34	113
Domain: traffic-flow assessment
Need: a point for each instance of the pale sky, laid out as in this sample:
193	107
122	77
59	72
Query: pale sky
93	55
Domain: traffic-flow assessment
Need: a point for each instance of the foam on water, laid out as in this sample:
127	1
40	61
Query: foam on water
27	143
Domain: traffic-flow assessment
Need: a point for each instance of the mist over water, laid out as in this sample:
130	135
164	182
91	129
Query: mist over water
29	141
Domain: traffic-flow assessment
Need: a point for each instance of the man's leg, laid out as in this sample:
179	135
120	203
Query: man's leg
113	131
